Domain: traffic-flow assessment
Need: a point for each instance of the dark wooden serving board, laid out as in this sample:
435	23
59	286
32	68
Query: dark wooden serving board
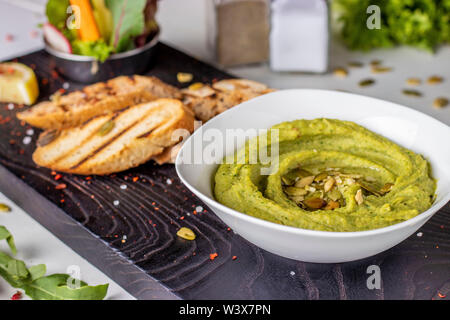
153	263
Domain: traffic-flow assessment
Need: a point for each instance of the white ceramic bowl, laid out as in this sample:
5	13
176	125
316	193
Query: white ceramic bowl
407	127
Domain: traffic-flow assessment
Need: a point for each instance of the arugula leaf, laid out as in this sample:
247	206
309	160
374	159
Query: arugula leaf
54	287
6	235
129	22
40	287
56	11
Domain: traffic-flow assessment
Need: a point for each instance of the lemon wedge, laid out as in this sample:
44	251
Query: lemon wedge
18	83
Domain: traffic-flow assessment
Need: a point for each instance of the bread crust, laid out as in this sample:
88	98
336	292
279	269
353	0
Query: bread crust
139	133
77	107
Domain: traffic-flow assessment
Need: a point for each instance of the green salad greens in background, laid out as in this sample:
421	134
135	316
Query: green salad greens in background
99	28
36	284
420	23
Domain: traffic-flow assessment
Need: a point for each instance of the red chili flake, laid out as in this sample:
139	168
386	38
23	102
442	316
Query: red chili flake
12	141
228	229
194	212
58	176
156	208
212	256
34	33
62	91
62	200
53	173
441	295
54	74
88	178
135	179
16	296
182	218
234	258
9	37
61	186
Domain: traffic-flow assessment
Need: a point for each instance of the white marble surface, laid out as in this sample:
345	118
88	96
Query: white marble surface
184	26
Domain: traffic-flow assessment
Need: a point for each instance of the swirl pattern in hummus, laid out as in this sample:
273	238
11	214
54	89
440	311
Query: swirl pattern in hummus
315	145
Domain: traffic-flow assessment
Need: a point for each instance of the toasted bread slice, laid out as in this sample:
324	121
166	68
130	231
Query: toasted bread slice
117	141
77	107
207	101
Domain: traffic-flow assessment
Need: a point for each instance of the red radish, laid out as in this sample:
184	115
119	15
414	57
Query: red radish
56	39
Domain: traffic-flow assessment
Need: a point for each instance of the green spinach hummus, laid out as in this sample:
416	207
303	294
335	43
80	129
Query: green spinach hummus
330	175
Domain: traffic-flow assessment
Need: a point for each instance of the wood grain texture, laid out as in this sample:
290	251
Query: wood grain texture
152	262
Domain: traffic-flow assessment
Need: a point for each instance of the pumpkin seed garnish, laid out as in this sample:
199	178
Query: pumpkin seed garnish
386	188
321	176
303	182
47	137
334	194
366	82
4	208
332	205
315	203
329	184
287	181
440	102
434	80
293	191
106	128
186	234
413	81
412	93
359	197
369	187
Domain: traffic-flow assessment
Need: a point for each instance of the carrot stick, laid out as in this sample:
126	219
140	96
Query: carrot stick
88	27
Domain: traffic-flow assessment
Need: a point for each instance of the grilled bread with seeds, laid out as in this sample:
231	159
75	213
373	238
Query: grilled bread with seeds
77	107
209	101
115	142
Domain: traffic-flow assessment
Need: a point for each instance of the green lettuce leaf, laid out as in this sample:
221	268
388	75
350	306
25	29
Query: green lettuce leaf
419	23
56	11
6	235
97	49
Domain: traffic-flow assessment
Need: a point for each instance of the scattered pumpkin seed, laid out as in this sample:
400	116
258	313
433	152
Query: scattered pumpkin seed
297	199
412	93
378	69
413	81
374	63
196	86
184	77
332	205
355	64
435	80
340	72
440	102
186	233
315	203
303	182
47	137
366	82
106	128
359	197
4	208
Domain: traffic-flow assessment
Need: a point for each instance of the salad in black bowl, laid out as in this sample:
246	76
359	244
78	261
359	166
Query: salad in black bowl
94	40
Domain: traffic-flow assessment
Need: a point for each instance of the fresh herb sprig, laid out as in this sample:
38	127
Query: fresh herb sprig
36	284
